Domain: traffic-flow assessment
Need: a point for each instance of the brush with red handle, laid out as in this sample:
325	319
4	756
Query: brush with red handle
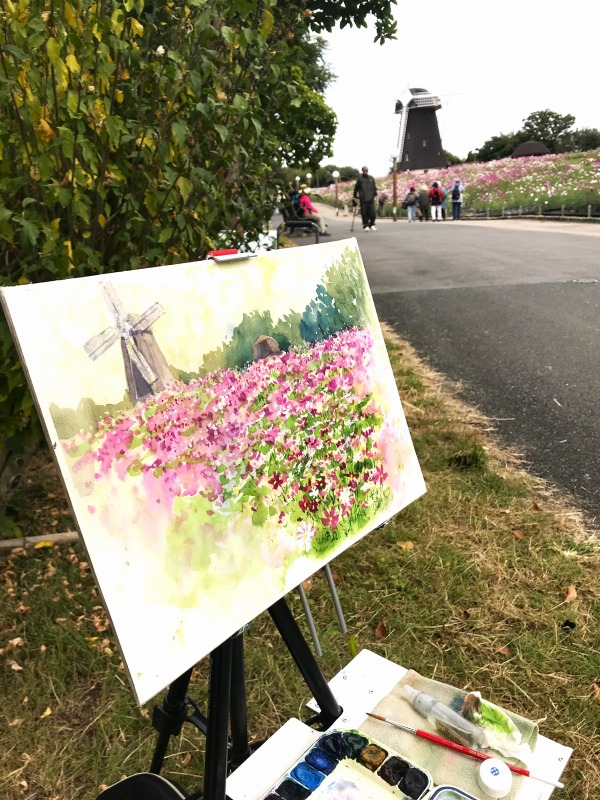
467	751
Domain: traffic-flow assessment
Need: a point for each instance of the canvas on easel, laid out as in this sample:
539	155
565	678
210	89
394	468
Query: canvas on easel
223	430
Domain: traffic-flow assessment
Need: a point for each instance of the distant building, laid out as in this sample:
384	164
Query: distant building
419	141
530	148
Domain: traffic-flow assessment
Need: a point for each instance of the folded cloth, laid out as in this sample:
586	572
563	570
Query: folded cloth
445	766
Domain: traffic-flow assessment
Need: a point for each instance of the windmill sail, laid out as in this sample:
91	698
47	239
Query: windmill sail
100	343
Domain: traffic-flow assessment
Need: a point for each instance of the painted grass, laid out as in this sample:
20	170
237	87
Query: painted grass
493	556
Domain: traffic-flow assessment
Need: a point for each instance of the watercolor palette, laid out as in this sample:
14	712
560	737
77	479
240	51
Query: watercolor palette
345	765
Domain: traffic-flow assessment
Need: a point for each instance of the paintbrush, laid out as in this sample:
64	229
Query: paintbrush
466	751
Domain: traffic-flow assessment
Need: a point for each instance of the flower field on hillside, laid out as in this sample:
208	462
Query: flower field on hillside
295	445
548	182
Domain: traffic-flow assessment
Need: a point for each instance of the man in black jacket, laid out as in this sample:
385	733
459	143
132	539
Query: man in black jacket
366	191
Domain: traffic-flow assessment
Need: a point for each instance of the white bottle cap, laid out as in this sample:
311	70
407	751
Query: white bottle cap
495	778
409	693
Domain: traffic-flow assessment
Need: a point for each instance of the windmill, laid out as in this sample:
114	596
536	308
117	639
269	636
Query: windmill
419	142
146	369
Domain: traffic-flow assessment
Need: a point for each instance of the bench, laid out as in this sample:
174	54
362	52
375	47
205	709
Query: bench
292	222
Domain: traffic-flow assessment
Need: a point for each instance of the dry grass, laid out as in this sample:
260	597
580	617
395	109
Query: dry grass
480	600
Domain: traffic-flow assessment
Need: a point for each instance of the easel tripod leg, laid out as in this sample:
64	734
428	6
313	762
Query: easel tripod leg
215	774
168	719
240	749
306	662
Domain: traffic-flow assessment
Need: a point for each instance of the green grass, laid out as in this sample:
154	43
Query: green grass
494	553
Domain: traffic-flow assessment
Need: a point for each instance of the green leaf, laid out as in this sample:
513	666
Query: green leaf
267	23
165	235
53	50
113	128
185	187
223	132
179	132
15	51
29	233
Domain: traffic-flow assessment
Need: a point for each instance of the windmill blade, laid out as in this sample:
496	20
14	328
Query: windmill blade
138	359
115	305
100	343
148	318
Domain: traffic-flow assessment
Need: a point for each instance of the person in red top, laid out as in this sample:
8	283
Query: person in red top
309	211
436	197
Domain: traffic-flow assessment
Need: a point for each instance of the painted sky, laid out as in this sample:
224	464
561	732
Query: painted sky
492	64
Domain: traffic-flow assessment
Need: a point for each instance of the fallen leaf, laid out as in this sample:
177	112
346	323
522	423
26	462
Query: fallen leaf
335	575
39	545
25	701
15	667
17	642
381	631
518	534
504	650
23	609
46	713
15	723
535	506
185	760
307	584
571	594
43	648
596	690
406	545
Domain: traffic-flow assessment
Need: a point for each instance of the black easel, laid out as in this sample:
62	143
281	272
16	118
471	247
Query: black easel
227	703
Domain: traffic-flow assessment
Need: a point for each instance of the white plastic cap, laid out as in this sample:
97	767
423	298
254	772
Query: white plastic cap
409	693
495	778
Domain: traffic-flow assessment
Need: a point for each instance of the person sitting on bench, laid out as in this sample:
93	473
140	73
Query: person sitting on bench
308	211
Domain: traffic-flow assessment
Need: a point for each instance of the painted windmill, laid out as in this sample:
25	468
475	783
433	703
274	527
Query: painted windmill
146	368
419	142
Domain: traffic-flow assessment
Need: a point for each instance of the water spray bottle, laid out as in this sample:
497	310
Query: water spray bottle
445	720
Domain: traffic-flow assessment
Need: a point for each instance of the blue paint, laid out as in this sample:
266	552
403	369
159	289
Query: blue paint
307	776
320	760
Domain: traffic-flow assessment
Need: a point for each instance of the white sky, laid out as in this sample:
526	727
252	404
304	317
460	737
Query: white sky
492	64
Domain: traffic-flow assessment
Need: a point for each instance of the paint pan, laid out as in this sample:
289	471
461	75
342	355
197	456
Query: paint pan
345	765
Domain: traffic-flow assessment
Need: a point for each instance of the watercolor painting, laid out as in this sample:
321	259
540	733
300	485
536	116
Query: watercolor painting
223	430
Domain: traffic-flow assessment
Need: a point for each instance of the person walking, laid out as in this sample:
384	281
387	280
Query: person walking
410	201
381	200
309	211
366	191
457	197
435	198
424	204
444	197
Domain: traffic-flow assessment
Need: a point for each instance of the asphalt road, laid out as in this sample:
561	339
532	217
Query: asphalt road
511	310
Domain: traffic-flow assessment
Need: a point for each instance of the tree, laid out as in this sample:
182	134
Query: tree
553	129
500	146
136	133
585	139
452	159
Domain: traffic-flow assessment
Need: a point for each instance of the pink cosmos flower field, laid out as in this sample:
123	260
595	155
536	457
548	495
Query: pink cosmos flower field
295	451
